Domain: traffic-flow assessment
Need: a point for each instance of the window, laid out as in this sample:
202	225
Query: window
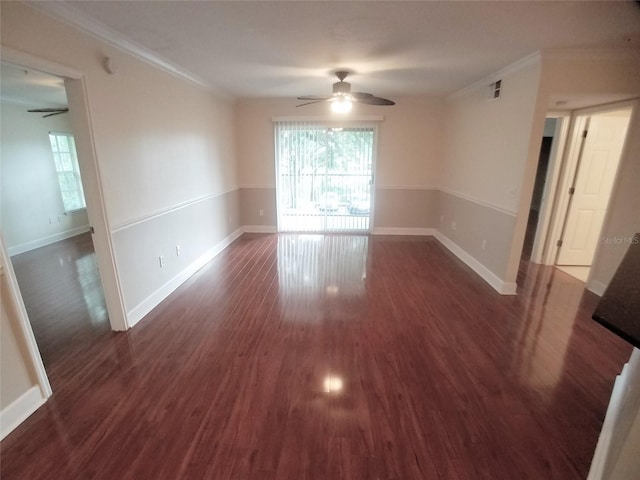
324	176
66	161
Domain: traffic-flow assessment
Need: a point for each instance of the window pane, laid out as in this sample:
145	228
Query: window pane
58	162
66	163
63	143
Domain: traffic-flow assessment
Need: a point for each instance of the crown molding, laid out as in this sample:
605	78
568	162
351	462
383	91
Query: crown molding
510	69
70	16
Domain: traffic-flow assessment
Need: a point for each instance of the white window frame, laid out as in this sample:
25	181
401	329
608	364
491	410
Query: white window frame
74	170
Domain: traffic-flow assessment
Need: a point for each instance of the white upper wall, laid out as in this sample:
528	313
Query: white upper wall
409	146
486	141
160	141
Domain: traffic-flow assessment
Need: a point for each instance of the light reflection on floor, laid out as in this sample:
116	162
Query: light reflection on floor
91	288
314	267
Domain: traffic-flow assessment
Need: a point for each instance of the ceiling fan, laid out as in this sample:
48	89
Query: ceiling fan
342	99
49	111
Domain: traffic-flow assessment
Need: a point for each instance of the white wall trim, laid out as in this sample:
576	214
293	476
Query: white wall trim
48	240
19	410
173	208
260	229
484	82
403	231
78	20
470	198
594	286
138	312
499	285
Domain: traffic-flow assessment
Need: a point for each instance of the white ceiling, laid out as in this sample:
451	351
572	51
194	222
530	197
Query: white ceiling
286	49
30	87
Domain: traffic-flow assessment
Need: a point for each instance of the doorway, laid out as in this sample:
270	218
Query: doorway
324	177
44	216
80	118
548	151
578	187
591	184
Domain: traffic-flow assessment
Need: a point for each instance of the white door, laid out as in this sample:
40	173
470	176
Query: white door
593	182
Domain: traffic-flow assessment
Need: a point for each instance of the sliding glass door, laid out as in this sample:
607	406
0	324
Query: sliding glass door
324	177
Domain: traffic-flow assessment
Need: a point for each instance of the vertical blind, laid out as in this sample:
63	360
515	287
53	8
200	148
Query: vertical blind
324	176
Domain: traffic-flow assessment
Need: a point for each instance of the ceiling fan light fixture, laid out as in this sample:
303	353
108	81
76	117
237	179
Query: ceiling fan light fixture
341	105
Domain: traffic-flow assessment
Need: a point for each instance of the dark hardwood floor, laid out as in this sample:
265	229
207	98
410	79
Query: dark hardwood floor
327	357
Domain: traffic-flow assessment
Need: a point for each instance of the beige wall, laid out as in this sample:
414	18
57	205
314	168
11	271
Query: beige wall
164	148
486	146
486	141
584	75
32	212
405	208
409	152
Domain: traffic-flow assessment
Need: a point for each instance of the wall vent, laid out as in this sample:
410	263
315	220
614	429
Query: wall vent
495	90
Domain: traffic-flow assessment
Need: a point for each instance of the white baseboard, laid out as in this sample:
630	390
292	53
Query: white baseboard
19	410
403	231
43	242
499	285
138	312
260	229
596	287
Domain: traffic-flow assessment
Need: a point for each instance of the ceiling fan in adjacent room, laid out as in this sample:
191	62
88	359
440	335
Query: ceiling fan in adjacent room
49	111
342	98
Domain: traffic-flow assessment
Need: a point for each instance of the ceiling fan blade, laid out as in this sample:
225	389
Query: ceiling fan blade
371	100
49	110
55	113
315	97
359	95
314	101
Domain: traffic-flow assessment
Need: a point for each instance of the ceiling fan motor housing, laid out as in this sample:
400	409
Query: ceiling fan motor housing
341	88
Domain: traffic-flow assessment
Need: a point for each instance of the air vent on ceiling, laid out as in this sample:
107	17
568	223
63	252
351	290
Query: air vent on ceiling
495	90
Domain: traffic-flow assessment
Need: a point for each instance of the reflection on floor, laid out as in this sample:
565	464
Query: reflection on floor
63	296
579	273
335	357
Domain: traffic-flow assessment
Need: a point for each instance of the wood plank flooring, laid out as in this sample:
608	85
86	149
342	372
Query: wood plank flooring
329	357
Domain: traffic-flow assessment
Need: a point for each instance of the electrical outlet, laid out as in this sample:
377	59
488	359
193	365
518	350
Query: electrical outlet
177	250
454	225
261	212
161	260
441	218
484	244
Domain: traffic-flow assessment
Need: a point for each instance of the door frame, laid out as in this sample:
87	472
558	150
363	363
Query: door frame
75	85
563	121
566	174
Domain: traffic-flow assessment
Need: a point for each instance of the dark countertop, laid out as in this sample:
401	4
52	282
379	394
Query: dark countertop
619	307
